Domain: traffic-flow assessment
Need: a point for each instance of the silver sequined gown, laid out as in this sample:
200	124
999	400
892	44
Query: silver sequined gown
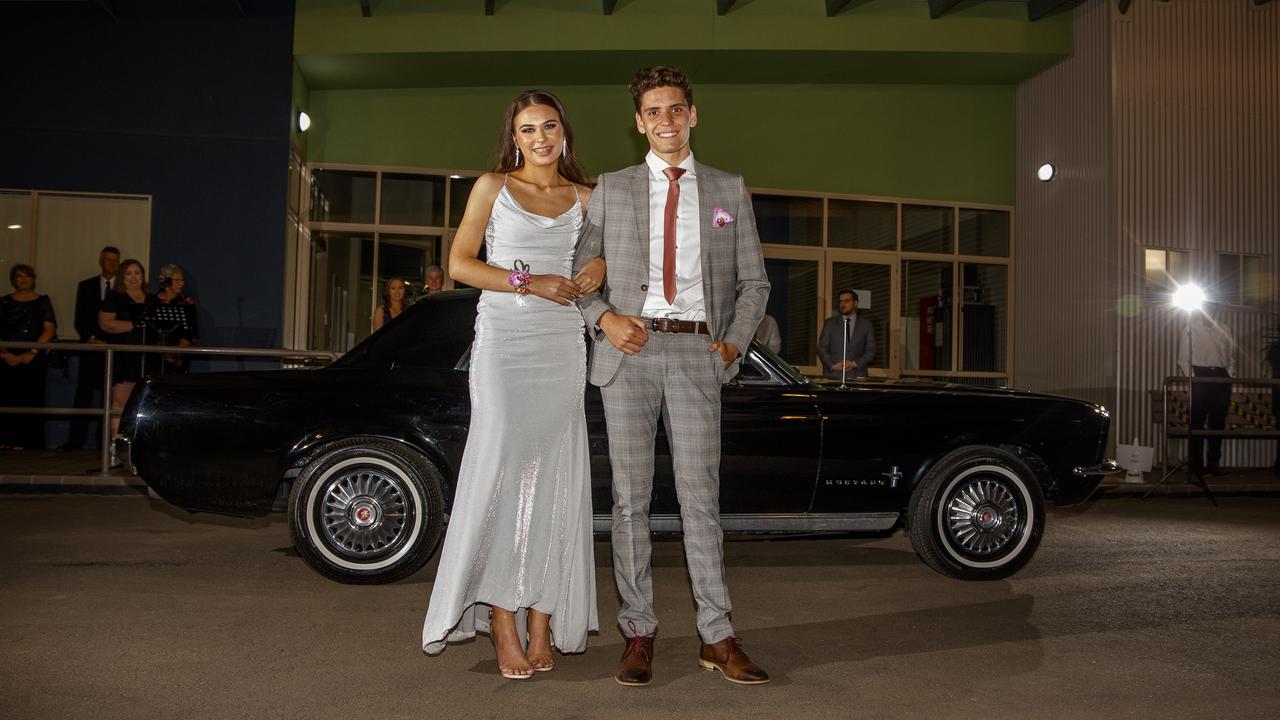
520	531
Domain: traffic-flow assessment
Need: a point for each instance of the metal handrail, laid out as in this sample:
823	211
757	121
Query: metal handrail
108	365
1190	433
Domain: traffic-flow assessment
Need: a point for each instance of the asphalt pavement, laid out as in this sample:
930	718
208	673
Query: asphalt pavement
124	607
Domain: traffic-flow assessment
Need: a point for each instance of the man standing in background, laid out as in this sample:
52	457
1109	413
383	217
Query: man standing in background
847	344
89	296
1207	350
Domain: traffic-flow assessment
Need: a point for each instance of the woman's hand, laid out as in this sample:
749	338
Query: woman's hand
591	276
554	288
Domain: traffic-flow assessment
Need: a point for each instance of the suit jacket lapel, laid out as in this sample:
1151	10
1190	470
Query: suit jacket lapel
706	205
640	200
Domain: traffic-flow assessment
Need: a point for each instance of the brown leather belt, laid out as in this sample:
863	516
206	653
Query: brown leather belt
669	325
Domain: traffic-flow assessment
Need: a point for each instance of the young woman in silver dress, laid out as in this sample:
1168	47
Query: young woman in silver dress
518	549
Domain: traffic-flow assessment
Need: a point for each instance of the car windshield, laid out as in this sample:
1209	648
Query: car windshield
785	368
433	332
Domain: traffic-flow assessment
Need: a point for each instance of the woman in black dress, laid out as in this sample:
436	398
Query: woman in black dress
172	282
25	315
120	318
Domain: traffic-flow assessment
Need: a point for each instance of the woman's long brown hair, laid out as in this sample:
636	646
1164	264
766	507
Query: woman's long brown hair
505	160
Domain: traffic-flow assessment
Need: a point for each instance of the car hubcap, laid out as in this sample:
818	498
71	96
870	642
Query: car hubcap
365	512
983	516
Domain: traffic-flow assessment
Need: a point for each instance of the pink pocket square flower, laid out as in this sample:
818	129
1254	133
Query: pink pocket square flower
720	218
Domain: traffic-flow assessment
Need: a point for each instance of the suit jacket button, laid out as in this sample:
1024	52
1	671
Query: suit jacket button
644	288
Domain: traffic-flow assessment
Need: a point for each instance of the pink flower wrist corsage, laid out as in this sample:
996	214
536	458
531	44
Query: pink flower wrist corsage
519	276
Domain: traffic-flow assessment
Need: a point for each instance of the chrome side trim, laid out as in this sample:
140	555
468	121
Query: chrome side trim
772	522
1106	467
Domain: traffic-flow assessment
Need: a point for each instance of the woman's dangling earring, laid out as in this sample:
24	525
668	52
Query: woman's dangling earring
517	157
564	148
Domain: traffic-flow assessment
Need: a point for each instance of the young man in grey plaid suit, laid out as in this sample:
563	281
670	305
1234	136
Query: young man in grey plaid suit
685	290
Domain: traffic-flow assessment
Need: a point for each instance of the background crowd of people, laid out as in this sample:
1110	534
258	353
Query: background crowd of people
115	306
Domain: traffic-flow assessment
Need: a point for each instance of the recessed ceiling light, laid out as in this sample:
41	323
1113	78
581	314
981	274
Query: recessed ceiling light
1046	172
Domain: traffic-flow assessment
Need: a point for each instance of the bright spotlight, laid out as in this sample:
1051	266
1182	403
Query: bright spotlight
1188	297
304	121
1046	172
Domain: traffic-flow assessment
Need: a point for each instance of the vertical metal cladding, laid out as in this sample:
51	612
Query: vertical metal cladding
1165	129
1064	287
1196	150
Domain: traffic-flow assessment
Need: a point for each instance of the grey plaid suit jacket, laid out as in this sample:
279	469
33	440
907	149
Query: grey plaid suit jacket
735	287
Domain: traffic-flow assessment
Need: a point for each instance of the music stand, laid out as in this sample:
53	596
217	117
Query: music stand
166	320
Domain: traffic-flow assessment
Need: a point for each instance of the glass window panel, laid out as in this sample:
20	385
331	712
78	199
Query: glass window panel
872	283
984	232
1178	265
926	228
1162	269
15	236
459	191
342	196
926	315
862	225
407	257
1228	289
786	220
1255	282
412	200
793	304
340	290
985	317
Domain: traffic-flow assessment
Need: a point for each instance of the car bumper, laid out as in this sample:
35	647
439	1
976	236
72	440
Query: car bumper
121	449
1106	467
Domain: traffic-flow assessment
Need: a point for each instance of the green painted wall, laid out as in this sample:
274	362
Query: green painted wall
941	142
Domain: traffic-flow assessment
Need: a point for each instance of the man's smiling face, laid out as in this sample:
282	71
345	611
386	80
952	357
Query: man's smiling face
665	118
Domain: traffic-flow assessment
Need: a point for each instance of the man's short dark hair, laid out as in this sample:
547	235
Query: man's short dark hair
660	76
109	249
847	291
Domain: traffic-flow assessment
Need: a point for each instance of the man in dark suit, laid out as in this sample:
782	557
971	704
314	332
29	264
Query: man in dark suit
854	356
89	296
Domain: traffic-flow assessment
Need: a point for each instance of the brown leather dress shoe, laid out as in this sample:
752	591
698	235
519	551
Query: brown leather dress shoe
727	657
636	665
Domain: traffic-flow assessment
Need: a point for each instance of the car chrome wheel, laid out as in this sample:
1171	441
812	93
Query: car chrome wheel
365	512
982	516
977	514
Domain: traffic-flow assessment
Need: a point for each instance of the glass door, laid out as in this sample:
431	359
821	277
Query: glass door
873	278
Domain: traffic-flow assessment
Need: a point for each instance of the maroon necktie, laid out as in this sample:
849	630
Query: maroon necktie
669	233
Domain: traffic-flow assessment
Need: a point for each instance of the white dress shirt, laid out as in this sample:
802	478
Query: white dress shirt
688	299
1211	346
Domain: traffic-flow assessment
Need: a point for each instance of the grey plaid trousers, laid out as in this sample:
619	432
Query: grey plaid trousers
676	378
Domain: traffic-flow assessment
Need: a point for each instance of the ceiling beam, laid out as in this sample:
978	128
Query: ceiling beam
1037	9
105	6
835	6
722	6
938	8
365	9
609	5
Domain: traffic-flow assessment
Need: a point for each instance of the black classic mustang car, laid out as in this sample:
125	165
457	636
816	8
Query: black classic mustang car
363	454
